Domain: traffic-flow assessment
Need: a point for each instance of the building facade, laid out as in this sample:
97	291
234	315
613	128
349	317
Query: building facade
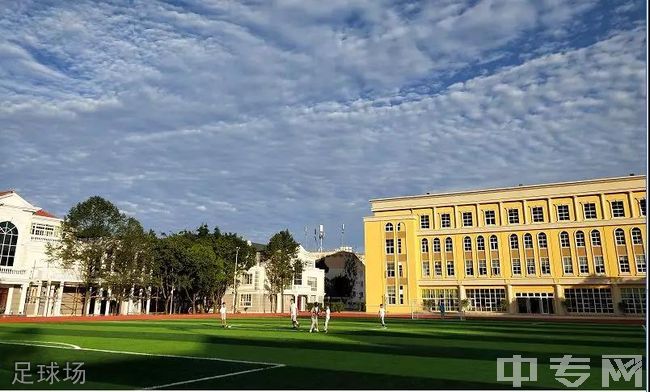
574	248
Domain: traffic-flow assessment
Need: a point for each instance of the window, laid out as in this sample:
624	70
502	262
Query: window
467	244
313	283
44	230
399	227
580	239
399	246
599	264
487	300
390	247
564	240
480	243
482	267
490	218
623	264
589	210
401	295
438	268
436	245
390	295
541	241
445	220
425	268
530	266
494	243
640	264
528	241
513	216
297	280
389	227
563	212
469	267
448	296
425	245
567	265
636	236
514	241
400	270
450	268
545	265
496	267
583	265
642	207
390	270
247	279
8	240
245	299
634	299
516	267
449	246
619	236
467	219
618	211
424	221
595	238
589	300
538	214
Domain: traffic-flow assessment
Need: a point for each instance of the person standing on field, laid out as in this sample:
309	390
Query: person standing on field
327	317
441	306
222	312
293	309
382	314
314	318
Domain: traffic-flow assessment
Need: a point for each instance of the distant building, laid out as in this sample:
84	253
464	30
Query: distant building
341	263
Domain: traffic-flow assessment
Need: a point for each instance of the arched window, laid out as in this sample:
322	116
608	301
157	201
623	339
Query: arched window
636	236
595	238
389	227
449	245
436	245
467	244
8	241
480	243
528	241
494	243
580	239
619	236
514	242
425	245
399	227
564	240
542	242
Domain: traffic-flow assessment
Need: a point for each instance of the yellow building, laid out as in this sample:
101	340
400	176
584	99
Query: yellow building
566	248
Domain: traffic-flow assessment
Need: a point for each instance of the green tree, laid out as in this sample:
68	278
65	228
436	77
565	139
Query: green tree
230	248
281	262
89	239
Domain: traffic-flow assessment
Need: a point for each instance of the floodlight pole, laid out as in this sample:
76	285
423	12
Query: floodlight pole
234	282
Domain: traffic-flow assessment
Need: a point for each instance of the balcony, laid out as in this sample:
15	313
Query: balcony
11	272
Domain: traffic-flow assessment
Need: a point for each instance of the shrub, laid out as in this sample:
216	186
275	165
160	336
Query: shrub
337	306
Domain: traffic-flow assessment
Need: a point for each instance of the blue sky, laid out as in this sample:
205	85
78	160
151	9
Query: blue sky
260	116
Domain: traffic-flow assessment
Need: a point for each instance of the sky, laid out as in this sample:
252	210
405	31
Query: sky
263	116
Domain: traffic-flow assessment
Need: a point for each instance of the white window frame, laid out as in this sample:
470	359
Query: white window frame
445	220
537	214
490	218
567	265
424	222
580	239
599	265
480	243
468	220
563	213
246	300
390	246
565	241
469	267
545	265
641	266
467	244
596	241
542	240
516	266
589	211
583	265
619	237
513	216
617	208
624	264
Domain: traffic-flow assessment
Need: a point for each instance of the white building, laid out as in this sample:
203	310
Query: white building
30	284
335	265
253	294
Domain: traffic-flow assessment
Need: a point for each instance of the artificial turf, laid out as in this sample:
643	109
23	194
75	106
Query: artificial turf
355	354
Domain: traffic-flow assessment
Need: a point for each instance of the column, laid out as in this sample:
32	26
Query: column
38	298
558	298
10	298
58	300
148	304
510	297
89	294
552	215
129	303
108	302
616	299
23	298
48	300
500	214
98	302
576	206
526	219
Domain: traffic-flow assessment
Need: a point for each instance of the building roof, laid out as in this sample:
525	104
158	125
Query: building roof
44	213
2	193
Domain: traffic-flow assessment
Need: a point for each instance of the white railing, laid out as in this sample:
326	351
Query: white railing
11	271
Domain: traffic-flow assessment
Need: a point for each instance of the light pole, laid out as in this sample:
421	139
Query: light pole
234	282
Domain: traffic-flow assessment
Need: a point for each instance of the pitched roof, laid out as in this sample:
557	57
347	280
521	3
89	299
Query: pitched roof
44	213
2	193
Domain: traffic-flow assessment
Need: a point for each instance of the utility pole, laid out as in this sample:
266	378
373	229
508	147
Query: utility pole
234	281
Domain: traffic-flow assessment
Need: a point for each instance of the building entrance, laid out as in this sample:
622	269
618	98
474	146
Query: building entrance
535	303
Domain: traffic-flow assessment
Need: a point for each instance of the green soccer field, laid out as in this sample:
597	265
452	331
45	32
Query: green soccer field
266	353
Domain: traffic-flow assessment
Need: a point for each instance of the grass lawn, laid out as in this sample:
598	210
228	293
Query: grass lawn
267	354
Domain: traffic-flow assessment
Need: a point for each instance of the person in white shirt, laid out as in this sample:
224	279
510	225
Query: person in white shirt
294	314
327	317
314	318
222	312
382	314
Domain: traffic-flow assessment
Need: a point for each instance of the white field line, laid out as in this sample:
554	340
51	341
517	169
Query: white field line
214	377
41	343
